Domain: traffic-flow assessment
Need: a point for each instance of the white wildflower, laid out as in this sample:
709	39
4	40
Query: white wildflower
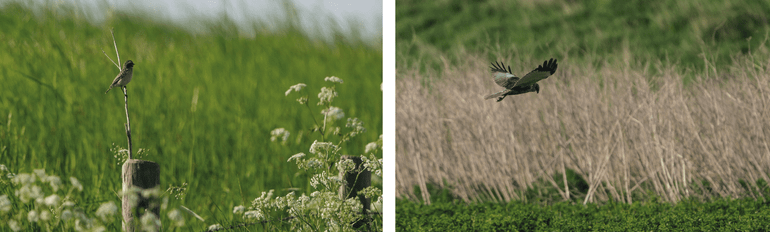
40	174
302	100
322	147
297	157
32	216
176	217
3	168
27	192
279	132
14	225
345	165
54	181
76	184
5	203
295	88
238	209
333	79
357	125
215	227
52	200
23	179
45	215
107	211
150	222
333	112
326	95
371	147
253	214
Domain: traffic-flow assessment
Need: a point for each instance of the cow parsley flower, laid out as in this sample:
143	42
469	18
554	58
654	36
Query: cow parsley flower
333	113
176	217
295	88
279	132
215	227
76	184
333	79
238	209
371	147
52	200
5	203
107	211
32	216
326	95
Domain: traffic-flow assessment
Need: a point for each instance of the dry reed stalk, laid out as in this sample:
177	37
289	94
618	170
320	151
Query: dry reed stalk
626	127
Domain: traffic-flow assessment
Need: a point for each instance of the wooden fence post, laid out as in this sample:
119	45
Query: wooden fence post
357	179
138	176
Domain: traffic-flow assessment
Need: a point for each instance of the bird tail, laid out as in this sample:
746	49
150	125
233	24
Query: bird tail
494	95
108	90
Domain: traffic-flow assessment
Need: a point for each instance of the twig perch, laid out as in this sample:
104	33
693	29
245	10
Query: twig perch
128	125
125	93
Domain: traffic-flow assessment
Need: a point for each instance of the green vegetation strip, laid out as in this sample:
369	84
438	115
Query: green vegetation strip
679	31
717	215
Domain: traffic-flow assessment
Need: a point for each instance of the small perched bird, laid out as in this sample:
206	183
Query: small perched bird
514	85
124	76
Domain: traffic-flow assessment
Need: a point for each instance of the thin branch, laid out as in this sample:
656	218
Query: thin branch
113	62
128	125
116	46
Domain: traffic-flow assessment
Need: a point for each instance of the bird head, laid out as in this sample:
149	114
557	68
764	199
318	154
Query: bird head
129	64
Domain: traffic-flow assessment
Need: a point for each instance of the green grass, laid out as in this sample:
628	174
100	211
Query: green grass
55	115
718	215
586	31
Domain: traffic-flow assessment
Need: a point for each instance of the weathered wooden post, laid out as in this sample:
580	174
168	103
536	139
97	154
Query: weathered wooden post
357	179
138	176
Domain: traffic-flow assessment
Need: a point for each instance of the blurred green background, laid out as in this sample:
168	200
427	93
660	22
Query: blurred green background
681	32
54	113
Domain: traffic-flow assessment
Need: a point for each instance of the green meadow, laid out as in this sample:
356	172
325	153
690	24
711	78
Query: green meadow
654	120
202	104
682	32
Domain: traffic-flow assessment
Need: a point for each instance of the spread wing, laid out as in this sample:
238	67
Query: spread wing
504	77
494	95
540	73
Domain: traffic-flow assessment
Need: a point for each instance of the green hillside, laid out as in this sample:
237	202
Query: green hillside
677	31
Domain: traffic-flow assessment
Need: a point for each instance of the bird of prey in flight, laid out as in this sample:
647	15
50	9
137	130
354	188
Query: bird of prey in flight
514	85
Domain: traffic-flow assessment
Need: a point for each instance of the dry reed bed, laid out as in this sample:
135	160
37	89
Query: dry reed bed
604	122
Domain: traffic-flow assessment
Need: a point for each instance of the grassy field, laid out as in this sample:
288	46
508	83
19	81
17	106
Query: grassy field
680	31
202	105
661	100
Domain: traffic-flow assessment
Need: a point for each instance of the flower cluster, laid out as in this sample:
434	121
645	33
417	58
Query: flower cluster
323	209
279	133
41	200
